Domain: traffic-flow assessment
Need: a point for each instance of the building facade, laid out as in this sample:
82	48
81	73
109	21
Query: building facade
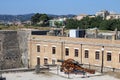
57	22
113	16
81	16
98	52
102	13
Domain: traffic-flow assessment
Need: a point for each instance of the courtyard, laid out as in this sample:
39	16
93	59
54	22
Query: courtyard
55	75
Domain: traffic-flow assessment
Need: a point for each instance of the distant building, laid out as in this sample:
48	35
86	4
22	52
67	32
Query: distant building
8	23
60	21
102	13
17	23
95	33
76	33
27	22
113	16
91	16
81	16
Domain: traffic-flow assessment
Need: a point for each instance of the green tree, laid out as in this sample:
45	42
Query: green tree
104	25
36	18
85	23
40	19
115	23
58	24
44	19
72	24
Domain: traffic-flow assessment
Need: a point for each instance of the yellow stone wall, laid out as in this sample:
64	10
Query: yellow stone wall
47	42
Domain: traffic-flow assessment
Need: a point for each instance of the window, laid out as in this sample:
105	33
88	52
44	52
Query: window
67	51
97	55
76	52
38	61
38	48
53	50
86	54
108	56
45	61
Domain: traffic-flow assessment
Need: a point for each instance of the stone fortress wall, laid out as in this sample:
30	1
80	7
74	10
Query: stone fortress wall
10	52
13	49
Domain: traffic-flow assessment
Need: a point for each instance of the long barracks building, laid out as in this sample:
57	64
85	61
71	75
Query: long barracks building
95	52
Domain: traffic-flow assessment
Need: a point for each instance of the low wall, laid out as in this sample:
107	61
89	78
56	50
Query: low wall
98	68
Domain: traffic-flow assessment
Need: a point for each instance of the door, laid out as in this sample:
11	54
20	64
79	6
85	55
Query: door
38	61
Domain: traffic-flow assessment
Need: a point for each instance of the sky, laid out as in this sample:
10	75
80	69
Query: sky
59	7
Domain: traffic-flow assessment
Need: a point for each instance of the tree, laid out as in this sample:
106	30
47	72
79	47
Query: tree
104	25
85	23
72	24
40	19
58	24
44	19
36	18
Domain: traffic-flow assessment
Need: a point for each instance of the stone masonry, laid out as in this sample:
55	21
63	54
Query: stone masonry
10	56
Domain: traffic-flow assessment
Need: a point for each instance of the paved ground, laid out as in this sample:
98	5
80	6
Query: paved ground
52	75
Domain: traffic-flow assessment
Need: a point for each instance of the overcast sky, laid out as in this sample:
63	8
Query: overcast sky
58	6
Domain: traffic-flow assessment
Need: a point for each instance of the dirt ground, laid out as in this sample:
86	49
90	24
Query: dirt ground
114	74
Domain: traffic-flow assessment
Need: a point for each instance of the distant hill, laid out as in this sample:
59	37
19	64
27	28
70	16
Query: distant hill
12	18
26	17
56	16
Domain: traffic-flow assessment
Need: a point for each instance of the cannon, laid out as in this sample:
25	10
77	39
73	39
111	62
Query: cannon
72	66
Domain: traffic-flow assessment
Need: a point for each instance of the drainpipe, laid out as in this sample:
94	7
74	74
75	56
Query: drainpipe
62	53
81	53
102	65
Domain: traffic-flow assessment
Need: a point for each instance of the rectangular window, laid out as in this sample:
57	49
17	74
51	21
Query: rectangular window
109	57
38	61
76	53
38	48
45	61
67	51
97	55
53	50
86	54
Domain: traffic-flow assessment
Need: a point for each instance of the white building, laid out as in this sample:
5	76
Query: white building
102	13
59	20
113	16
76	33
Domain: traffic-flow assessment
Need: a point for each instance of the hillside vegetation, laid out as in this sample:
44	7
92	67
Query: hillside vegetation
96	22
